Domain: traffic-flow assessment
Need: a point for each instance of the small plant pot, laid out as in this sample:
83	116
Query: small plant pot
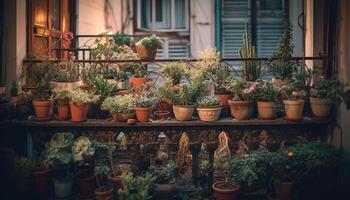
294	109
115	180
241	110
161	115
224	102
183	113
63	112
65	85
42	109
266	110
283	190
209	114
224	193
138	82
86	183
122	117
165	106
79	111
63	188
143	114
106	194
146	53
321	108
164	191
42	181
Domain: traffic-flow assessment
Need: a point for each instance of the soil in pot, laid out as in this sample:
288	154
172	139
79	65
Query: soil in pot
266	110
122	117
63	187
138	82
209	114
143	114
283	190
241	110
294	109
78	111
164	191
165	106
42	110
146	53
104	194
63	112
321	108
161	115
183	113
42	181
225	191
86	182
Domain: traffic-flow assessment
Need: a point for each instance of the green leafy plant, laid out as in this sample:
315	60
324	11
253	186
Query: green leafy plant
65	71
83	97
209	101
62	96
241	89
265	91
174	71
166	175
82	149
120	76
251	69
101	172
24	97
151	41
122	39
222	164
101	87
135	187
59	148
119	104
293	94
144	101
221	74
137	69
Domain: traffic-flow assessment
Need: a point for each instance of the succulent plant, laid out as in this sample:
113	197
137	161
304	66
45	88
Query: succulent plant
62	96
144	101
174	71
150	41
209	101
84	97
122	39
119	104
101	87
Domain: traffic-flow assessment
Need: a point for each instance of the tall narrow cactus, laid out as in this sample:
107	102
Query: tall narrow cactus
251	69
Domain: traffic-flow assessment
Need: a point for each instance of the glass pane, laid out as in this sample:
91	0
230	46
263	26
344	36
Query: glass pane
146	13
180	14
159	10
55	14
270	5
164	8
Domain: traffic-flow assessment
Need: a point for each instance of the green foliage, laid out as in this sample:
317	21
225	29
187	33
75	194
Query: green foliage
251	69
65	71
135	187
119	104
209	101
174	71
222	164
104	48
62	96
293	94
166	175
24	97
144	101
151	41
23	173
137	69
302	77
82	148
119	76
101	87
219	77
84	97
241	89
122	39
101	170
59	148
266	92
101	152
43	77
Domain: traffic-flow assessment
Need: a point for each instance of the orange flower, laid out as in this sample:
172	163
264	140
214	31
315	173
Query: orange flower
290	154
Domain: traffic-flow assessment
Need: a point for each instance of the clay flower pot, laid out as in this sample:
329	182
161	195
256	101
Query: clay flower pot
63	112
115	180
146	53
294	109
42	109
224	102
283	190
78	111
104	194
321	108
164	191
86	183
143	114
165	106
123	117
241	110
209	114
224	193
161	115
42	181
138	82
183	112
266	110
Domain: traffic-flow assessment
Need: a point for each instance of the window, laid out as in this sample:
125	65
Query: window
163	15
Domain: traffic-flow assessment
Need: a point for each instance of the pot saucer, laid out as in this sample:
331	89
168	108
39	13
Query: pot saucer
43	119
293	120
59	118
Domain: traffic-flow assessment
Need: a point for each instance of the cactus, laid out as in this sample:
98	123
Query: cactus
251	69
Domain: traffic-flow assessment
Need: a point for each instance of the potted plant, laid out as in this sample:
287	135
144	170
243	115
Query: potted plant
294	100
122	39
251	69
62	97
323	94
65	75
164	182
42	103
139	78
59	150
174	71
209	108
135	187
120	78
147	47
103	191
103	89
143	108
224	189
41	173
242	102
82	152
23	105
221	74
121	107
164	101
79	105
266	97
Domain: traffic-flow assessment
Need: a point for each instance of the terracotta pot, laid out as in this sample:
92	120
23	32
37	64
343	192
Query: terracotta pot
65	85
42	181
321	108
241	110
225	193
294	109
164	191
63	111
138	82
143	114
146	53
115	180
86	182
42	109
123	117
165	106
209	114
283	190
280	83
183	113
104	194
162	115
78	111
32	88
266	110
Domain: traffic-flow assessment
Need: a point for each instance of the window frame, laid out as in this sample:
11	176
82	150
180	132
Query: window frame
154	23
